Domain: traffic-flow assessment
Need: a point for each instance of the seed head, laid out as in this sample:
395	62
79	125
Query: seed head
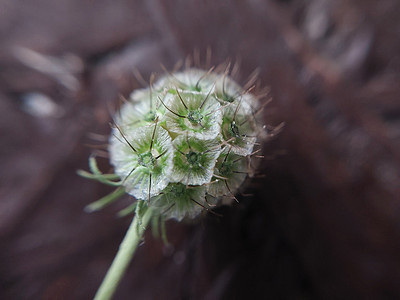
183	141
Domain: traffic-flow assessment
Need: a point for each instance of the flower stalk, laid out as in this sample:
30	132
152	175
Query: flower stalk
125	252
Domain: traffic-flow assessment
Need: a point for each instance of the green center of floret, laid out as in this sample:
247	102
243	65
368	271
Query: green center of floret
146	160
178	189
228	98
193	158
195	117
234	129
150	116
226	168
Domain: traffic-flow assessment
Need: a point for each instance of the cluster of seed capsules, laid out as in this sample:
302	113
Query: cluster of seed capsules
185	143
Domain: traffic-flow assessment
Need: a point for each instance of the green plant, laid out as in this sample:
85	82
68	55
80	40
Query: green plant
179	147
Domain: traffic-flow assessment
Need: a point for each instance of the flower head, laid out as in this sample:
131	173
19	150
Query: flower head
184	142
179	147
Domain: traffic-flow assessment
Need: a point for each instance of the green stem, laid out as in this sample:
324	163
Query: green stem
124	256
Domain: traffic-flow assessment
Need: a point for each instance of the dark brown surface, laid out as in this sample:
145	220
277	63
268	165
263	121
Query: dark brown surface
324	222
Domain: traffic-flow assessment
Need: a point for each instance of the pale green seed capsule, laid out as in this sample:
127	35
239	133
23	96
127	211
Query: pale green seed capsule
229	173
194	160
193	113
239	128
142	158
178	201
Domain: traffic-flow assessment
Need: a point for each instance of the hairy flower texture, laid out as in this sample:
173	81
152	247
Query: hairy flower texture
226	89
142	158
239	128
229	173
178	201
197	114
194	160
193	80
185	143
143	109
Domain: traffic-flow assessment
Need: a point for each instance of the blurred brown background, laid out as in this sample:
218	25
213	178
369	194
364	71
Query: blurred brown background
324	221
